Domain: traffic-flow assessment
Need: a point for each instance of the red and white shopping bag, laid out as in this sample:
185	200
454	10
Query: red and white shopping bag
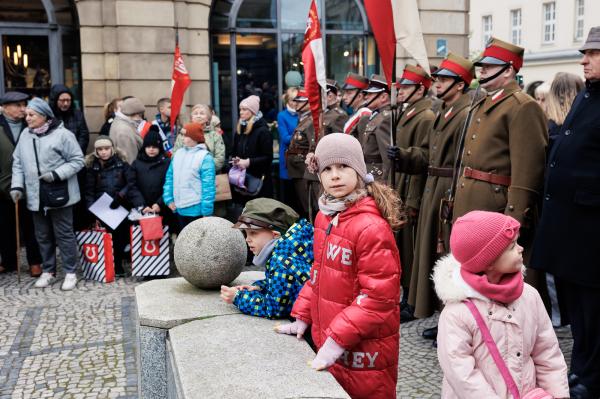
149	258
96	255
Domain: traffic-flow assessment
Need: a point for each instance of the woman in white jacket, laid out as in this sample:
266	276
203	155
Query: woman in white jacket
48	153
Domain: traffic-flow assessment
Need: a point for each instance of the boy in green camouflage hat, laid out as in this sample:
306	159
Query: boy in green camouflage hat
283	244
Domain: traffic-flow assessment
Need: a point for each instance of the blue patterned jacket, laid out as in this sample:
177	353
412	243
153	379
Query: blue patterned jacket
287	270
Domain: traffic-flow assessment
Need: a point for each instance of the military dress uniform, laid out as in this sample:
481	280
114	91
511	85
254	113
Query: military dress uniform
504	154
412	130
358	120
375	139
296	153
436	157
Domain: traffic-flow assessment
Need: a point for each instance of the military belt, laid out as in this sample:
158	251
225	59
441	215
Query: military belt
440	172
373	159
488	177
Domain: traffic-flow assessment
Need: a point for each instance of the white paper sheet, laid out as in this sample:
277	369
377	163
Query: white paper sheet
112	217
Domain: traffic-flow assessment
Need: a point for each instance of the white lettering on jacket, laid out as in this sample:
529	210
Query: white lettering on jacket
358	359
334	250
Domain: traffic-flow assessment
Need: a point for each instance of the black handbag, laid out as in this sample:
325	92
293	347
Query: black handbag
253	185
52	195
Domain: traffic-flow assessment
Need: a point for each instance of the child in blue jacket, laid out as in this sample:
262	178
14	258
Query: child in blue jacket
284	246
189	189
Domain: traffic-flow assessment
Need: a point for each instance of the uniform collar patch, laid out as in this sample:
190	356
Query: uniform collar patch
410	113
497	95
447	114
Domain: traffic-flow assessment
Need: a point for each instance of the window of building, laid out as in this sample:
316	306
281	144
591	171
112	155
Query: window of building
40	46
549	22
487	28
579	9
256	45
515	26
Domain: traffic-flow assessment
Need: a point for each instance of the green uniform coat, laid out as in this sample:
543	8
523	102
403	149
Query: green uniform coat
438	151
375	140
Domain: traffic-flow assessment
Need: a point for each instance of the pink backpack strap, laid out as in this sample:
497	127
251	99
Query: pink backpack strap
491	345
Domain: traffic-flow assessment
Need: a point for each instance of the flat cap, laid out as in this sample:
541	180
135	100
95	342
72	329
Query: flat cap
266	213
13	97
132	106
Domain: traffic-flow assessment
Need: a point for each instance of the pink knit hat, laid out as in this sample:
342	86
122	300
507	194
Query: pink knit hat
252	103
344	149
479	238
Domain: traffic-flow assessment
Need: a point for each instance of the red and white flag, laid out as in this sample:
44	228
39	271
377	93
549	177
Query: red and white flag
180	81
396	21
314	65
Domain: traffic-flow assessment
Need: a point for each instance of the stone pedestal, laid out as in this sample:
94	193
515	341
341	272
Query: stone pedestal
193	345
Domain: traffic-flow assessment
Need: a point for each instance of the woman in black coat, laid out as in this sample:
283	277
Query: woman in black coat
253	148
148	173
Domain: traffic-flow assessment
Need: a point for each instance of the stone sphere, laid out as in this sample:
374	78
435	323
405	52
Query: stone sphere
209	253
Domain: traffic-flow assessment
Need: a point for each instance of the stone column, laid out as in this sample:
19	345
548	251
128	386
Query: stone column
127	49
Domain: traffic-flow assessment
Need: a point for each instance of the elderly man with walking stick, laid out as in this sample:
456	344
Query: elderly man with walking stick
12	123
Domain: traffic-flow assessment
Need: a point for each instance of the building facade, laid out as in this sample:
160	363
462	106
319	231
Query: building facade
231	48
551	31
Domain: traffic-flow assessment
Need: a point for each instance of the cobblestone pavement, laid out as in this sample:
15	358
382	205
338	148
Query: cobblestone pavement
78	344
81	344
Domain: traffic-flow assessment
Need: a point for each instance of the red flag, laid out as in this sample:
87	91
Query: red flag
314	64
180	81
381	18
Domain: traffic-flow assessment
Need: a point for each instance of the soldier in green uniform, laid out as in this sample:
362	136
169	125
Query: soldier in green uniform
504	152
354	97
436	156
298	148
334	118
413	129
375	138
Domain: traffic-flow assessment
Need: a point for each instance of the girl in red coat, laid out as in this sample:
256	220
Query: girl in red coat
351	300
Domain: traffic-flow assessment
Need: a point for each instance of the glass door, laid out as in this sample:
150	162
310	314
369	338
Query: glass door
26	64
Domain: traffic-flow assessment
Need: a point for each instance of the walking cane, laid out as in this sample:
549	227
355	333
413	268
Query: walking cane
18	243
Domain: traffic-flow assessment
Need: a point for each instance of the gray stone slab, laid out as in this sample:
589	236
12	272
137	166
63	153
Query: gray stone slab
153	362
170	302
241	356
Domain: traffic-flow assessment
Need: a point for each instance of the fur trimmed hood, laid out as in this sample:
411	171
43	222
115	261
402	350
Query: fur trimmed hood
449	284
91	157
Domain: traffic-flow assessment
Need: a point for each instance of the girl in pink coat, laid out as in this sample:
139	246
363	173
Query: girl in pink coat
486	268
352	299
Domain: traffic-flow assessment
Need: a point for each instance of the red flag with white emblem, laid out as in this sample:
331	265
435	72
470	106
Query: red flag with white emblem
180	81
314	65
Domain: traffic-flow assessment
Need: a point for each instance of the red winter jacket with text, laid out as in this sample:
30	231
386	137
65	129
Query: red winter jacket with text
353	297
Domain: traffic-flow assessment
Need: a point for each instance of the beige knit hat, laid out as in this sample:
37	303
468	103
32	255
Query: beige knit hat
132	106
344	149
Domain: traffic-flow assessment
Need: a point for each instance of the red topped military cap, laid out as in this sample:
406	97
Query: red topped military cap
415	75
498	52
456	66
355	81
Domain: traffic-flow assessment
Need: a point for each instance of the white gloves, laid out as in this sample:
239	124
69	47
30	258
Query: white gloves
298	328
327	355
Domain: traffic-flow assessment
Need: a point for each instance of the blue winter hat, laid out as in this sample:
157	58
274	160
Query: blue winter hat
41	107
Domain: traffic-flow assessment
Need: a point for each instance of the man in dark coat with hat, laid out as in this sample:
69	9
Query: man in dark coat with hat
566	240
12	123
63	106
